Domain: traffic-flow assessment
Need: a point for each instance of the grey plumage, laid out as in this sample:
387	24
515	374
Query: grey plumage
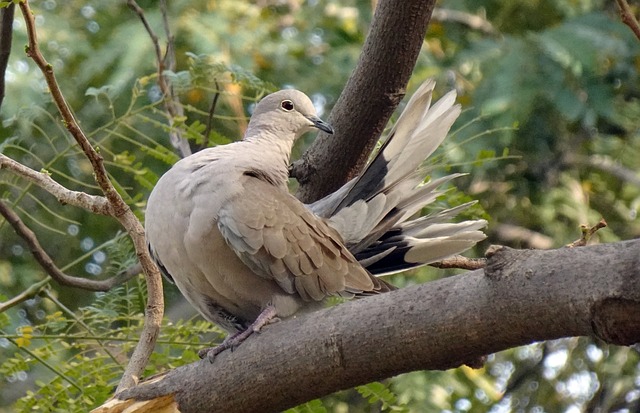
223	226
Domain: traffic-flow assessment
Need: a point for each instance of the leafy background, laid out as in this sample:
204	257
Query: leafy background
549	135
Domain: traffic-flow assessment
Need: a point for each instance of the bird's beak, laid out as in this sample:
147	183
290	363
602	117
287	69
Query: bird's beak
320	124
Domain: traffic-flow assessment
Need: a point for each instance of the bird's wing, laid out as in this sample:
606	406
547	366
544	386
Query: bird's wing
279	238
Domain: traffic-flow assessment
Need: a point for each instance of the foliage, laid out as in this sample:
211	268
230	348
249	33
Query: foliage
549	134
85	350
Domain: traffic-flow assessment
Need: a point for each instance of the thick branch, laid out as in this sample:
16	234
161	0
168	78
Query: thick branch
521	297
47	263
369	98
6	35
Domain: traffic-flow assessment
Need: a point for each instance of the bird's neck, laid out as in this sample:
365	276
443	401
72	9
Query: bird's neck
270	154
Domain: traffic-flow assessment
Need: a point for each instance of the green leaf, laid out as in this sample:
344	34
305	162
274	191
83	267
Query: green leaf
314	406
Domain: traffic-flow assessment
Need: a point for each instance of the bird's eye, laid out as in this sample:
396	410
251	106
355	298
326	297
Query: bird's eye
287	105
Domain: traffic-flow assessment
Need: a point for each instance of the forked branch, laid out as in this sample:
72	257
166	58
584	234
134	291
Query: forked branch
172	105
96	204
47	263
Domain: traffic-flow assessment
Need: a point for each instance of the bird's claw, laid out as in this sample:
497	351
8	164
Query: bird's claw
267	316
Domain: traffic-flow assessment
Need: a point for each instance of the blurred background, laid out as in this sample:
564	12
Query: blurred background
549	134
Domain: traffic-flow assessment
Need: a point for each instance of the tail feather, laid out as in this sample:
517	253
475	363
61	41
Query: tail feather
427	136
404	200
373	211
410	253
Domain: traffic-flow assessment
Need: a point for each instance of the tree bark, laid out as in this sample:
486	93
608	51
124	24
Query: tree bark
370	96
521	297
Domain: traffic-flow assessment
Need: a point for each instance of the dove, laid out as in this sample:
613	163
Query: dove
222	225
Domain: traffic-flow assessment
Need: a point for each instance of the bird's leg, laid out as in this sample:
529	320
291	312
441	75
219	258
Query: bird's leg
268	315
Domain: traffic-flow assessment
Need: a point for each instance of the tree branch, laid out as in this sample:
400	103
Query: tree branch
212	110
461	262
370	96
628	18
6	36
586	234
93	203
539	295
29	293
70	122
47	263
171	103
119	210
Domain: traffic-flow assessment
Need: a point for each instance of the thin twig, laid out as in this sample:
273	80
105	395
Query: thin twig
47	263
212	110
460	262
6	35
172	104
587	233
96	204
79	321
628	18
120	211
169	54
45	363
32	291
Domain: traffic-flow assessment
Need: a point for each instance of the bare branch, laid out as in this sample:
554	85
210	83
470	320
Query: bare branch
460	262
169	54
47	263
587	233
70	122
120	211
628	18
6	35
212	110
171	103
93	203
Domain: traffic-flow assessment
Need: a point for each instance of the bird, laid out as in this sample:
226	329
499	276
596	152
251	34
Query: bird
222	225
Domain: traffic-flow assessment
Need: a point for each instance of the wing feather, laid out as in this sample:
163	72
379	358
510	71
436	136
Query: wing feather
279	238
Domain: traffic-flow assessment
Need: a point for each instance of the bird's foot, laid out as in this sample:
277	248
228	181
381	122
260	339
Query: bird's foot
267	316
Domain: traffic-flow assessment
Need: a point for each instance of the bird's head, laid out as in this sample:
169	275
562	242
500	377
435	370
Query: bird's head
287	111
